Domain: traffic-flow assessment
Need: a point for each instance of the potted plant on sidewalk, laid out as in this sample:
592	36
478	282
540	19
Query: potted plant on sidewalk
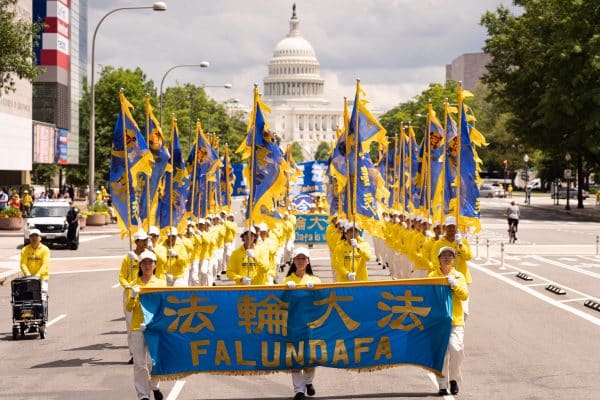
96	214
11	218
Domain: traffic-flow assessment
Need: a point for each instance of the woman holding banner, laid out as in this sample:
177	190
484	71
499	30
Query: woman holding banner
300	273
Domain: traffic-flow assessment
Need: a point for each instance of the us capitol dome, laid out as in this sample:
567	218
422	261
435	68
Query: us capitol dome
295	91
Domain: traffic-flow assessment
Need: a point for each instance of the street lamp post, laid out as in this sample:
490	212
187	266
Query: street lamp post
527	192
157	6
224	86
203	64
568	159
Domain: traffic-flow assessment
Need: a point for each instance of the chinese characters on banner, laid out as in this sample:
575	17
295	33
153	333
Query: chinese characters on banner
261	329
310	228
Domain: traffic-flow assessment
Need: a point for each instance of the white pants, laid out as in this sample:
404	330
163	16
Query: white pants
128	315
177	282
204	273
213	264
455	353
288	251
227	250
419	273
302	378
219	258
194	280
142	365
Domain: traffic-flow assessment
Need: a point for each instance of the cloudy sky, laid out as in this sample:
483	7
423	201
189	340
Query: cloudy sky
396	47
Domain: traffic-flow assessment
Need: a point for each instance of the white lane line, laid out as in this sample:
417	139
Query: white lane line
572	300
85	270
595	259
574	311
89	239
55	320
176	390
87	258
536	284
507	273
435	385
565	266
116	285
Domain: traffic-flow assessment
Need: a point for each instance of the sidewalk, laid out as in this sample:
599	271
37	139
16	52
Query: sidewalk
544	202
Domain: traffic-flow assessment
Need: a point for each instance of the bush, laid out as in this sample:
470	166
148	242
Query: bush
98	208
10	212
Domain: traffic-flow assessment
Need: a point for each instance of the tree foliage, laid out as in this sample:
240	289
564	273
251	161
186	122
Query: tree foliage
297	152
323	150
544	73
18	37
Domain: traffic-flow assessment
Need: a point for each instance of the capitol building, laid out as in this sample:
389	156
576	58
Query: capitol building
295	91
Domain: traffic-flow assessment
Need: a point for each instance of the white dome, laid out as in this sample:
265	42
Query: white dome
294	46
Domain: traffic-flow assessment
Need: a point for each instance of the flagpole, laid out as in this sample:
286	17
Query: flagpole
459	150
443	173
148	201
173	121
127	188
348	197
252	156
429	181
395	187
195	172
402	183
227	163
356	143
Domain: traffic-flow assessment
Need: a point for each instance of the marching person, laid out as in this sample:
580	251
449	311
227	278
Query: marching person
128	274
35	260
142	363
177	259
230	232
460	293
26	202
351	256
300	273
248	265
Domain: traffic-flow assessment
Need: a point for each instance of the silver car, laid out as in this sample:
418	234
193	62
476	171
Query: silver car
487	190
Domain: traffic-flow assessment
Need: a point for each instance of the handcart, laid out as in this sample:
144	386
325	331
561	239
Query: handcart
29	307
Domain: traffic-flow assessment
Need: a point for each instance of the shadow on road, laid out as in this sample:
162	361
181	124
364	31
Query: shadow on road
97	346
77	362
346	397
115	333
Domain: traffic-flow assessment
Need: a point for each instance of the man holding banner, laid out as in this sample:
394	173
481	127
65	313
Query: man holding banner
247	265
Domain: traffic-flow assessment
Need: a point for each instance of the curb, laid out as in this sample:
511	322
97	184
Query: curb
8	276
590	213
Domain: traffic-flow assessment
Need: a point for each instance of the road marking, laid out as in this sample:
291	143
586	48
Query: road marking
89	239
116	285
85	270
507	273
86	258
537	284
176	390
561	265
529	264
558	304
571	300
55	320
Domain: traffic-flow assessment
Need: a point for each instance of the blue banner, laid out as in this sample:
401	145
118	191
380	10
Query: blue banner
313	179
249	330
310	228
240	186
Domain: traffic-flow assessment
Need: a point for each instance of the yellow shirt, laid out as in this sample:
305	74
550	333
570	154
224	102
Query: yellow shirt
26	200
36	261
175	266
460	293
134	304
129	272
302	281
241	266
230	231
342	260
161	261
463	254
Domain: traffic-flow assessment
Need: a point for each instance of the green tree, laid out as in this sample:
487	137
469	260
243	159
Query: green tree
323	150
18	37
297	152
545	71
43	174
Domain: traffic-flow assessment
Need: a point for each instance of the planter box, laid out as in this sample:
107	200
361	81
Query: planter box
11	223
96	220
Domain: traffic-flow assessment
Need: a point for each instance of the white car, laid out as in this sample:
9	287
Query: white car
50	217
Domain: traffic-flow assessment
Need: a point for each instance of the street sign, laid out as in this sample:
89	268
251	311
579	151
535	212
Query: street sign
568	174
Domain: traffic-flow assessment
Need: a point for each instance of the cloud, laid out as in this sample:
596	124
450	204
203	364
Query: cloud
396	47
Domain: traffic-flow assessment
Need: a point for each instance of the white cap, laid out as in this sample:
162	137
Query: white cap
154	231
436	224
419	218
147	254
202	221
301	250
263	227
351	225
140	235
450	221
190	222
35	232
447	248
251	230
172	231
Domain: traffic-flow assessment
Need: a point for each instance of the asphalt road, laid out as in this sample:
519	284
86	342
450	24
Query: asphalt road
522	341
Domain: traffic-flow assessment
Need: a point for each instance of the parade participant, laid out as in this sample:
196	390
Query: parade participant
510	190
73	221
421	262
460	294
289	235
230	232
300	273
189	243
269	245
35	260
99	198
246	265
142	364
512	214
206	241
26	202
3	200
351	256
160	251
220	231
128	274
453	238
177	259
430	243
